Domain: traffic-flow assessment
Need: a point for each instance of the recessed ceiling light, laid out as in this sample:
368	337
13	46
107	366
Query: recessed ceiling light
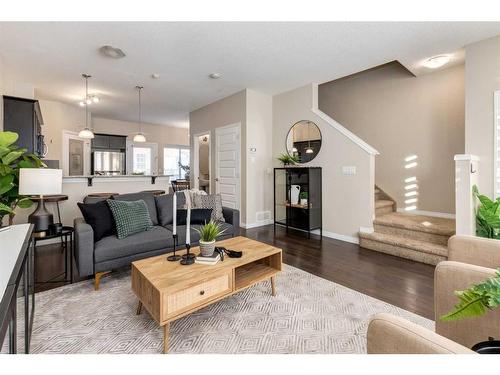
214	75
437	61
113	52
155	75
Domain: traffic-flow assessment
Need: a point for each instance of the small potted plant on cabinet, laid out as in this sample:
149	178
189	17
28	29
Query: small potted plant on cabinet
304	196
208	234
287	159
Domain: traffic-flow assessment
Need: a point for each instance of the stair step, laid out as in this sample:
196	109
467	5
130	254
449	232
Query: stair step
420	223
383	207
420	251
377	191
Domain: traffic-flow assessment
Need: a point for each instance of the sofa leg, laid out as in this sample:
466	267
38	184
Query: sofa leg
97	278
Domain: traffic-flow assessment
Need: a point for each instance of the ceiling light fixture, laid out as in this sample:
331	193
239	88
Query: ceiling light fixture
95	99
214	75
437	61
86	132
155	76
113	52
139	137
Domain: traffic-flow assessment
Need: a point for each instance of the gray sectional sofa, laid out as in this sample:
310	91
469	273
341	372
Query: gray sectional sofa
99	258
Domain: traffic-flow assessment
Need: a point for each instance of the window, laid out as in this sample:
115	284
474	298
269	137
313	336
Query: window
172	156
142	160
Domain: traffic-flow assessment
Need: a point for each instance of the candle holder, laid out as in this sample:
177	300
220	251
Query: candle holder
174	258
188	258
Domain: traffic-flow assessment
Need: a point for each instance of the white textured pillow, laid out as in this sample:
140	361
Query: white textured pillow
214	202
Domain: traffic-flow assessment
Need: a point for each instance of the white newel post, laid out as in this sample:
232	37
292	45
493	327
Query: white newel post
466	176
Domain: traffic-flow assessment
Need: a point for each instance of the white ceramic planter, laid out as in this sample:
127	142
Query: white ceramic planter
303	202
207	248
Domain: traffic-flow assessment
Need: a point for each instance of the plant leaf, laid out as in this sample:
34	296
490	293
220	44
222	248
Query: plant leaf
8	138
25	203
5	208
6	183
471	304
11	156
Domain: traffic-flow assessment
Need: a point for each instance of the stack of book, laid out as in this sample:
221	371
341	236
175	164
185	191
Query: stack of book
211	260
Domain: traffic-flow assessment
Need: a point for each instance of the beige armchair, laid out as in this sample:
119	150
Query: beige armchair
471	260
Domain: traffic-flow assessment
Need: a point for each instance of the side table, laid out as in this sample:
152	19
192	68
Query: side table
68	246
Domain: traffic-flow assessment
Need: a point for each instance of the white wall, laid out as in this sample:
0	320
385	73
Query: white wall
259	176
347	200
402	115
482	79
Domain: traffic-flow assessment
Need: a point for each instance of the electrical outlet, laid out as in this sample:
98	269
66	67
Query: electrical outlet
349	170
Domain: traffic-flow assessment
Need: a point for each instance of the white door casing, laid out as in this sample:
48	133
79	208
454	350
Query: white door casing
227	164
67	135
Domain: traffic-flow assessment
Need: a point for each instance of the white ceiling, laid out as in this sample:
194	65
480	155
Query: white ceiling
268	57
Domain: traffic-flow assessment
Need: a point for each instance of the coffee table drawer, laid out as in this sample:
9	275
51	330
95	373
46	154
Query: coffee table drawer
196	295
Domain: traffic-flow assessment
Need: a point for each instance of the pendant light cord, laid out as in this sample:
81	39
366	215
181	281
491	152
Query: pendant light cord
86	103
140	108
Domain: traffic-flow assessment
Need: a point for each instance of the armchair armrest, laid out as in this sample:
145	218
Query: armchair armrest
232	217
474	250
449	277
84	247
389	334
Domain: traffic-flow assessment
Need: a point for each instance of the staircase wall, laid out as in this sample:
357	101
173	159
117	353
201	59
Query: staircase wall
348	202
402	115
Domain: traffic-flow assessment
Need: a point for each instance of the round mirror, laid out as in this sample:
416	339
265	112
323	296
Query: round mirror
304	141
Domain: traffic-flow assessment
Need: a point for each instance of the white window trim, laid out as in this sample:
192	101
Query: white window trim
180	147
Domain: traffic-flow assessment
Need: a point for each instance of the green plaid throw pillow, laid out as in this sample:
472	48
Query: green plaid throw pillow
130	217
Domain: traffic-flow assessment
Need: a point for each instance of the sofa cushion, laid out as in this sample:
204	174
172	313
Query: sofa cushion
147	197
130	217
98	215
198	216
112	247
165	209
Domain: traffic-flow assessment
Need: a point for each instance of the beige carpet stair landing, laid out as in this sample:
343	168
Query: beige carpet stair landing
416	237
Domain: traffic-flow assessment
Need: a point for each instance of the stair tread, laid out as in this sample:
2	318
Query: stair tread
417	245
383	203
377	191
420	223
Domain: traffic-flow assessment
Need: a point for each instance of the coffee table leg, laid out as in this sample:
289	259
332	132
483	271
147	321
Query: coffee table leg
166	337
273	286
139	308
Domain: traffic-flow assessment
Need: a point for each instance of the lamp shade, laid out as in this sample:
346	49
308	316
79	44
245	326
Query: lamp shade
40	181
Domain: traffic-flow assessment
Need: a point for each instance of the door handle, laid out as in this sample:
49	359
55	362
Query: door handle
217	179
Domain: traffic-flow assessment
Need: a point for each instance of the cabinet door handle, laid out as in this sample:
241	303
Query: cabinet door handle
202	292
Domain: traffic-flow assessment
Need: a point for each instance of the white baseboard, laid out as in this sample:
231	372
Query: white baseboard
335	236
428	213
256	225
366	229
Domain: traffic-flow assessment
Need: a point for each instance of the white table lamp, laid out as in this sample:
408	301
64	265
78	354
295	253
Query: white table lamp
40	181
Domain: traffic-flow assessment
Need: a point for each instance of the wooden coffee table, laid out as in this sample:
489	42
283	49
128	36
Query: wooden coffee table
169	290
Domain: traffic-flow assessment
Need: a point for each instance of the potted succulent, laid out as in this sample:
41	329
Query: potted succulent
287	159
303	198
208	234
476	301
12	158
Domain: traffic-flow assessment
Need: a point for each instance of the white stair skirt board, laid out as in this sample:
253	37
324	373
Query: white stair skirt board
427	213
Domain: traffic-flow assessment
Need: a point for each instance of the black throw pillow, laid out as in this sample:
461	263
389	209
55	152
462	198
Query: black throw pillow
99	217
198	216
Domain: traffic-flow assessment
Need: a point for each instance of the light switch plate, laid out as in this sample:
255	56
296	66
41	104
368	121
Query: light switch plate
349	170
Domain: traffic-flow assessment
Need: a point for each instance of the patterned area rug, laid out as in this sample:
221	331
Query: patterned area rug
308	315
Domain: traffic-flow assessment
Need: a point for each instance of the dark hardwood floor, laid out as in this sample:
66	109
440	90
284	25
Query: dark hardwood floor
400	282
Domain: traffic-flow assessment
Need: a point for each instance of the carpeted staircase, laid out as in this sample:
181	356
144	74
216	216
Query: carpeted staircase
416	237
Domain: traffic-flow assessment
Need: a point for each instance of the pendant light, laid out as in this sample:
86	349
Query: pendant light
139	137
309	150
86	132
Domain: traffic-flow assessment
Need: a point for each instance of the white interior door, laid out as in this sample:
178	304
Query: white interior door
227	164
76	155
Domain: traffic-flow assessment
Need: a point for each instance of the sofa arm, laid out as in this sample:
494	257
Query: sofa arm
449	277
84	247
474	250
232	217
389	334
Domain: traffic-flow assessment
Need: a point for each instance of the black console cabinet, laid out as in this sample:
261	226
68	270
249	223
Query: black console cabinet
298	214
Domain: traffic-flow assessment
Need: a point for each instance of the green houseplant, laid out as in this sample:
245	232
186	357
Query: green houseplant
208	234
476	300
12	158
304	196
287	159
487	215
